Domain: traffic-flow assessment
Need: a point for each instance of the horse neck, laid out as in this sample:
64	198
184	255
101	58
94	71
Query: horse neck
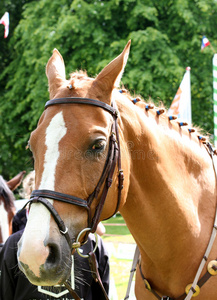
170	178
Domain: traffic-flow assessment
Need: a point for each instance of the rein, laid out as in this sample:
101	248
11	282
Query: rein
113	159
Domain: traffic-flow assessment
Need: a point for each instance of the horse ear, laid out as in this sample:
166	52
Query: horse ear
55	71
110	76
15	181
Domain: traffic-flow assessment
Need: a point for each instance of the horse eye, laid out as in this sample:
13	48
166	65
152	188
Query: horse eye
99	145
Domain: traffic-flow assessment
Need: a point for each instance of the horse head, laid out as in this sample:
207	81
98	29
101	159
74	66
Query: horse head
7	208
71	147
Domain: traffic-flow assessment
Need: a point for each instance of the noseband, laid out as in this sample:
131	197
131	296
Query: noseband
113	159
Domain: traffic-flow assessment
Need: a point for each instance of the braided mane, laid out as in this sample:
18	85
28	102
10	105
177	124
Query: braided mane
162	111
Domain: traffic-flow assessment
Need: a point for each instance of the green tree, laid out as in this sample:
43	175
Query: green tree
8	153
166	38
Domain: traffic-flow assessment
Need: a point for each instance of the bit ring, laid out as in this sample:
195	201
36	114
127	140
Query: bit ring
77	241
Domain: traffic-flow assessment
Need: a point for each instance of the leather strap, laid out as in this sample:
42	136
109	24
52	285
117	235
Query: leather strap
120	171
112	160
75	100
148	287
72	292
60	197
200	283
95	272
63	229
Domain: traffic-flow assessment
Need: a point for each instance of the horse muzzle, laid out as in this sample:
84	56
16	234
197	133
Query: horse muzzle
45	262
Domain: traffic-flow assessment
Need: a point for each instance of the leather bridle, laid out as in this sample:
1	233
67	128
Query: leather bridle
113	159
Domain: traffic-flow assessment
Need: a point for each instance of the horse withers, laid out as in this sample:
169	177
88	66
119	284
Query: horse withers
88	137
7	207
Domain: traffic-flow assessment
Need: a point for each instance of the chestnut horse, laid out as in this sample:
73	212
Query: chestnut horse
7	208
168	198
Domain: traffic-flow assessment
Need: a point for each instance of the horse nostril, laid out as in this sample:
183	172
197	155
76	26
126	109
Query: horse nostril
54	255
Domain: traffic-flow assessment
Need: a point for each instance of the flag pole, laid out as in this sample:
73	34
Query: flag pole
205	43
214	61
211	46
212	49
181	104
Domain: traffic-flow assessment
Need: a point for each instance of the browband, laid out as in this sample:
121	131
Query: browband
75	100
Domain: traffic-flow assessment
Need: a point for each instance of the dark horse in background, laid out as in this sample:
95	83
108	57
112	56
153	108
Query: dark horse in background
7	207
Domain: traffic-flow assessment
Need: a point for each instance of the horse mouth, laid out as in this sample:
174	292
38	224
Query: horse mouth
48	276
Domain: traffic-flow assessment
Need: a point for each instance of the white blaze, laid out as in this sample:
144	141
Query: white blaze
38	225
54	133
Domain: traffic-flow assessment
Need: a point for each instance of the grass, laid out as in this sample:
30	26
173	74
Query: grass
116	219
119	268
120	271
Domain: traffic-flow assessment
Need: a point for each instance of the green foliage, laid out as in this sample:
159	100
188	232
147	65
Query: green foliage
166	38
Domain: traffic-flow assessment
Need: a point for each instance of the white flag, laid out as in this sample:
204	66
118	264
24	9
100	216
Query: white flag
181	105
5	21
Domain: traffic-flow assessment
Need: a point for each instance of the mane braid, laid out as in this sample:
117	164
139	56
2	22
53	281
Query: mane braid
161	110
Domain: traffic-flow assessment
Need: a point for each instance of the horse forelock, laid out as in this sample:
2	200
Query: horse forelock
79	75
6	194
77	80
